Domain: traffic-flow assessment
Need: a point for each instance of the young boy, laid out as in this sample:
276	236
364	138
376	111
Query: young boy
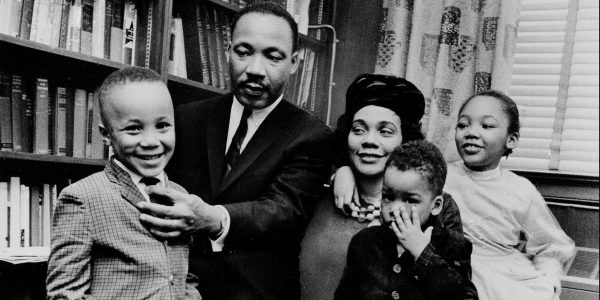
411	256
99	247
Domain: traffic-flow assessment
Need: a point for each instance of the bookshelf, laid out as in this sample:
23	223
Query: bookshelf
72	69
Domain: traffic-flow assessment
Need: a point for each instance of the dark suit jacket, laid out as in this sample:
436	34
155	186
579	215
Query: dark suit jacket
270	195
374	271
101	250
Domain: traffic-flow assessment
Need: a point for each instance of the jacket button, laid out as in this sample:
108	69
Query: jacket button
171	280
395	295
397	268
416	277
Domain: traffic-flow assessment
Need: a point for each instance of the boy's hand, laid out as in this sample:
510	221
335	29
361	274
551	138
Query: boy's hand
408	231
188	214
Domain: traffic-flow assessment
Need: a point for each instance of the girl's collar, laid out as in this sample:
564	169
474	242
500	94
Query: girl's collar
482	175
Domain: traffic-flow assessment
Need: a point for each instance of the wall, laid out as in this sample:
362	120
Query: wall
357	25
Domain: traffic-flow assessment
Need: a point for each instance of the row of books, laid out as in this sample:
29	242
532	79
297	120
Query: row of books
103	28
41	117
26	213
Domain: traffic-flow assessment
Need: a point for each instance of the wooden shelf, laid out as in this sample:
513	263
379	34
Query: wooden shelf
66	160
47	168
223	5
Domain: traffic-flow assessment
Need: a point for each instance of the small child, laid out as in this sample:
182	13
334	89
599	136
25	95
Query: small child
411	256
498	206
99	248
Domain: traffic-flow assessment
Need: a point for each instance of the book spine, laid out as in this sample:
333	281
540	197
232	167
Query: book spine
79	124
34	20
70	116
203	43
41	122
57	8
212	53
14	199
26	18
4	220
97	144
27	112
64	24
98	28
116	31
129	32
14	17
89	125
60	122
46	220
24	217
16	93
44	26
5	113
225	39
218	36
179	49
87	19
108	12
35	227
74	27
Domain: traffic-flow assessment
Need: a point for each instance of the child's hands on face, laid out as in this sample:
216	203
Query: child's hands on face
408	231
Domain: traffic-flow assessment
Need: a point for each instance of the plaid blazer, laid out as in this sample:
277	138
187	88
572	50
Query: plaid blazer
100	250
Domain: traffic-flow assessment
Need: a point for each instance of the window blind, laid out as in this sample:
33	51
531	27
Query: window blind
555	84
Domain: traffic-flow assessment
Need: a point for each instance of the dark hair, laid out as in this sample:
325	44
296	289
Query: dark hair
269	8
122	77
422	157
509	107
394	93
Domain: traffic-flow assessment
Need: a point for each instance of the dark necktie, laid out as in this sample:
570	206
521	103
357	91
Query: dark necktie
148	181
236	142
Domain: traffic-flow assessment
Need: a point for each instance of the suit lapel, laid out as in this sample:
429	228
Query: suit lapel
129	190
216	136
271	128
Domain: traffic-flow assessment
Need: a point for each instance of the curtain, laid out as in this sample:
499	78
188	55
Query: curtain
449	49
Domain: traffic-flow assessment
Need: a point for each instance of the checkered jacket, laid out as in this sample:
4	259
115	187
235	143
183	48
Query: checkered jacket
100	250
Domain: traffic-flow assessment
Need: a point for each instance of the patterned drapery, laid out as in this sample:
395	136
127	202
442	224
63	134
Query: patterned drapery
449	49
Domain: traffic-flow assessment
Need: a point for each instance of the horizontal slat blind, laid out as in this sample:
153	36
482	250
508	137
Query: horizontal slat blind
555	84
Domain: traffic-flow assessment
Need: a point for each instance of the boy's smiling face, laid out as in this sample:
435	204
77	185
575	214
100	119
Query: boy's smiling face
140	126
405	189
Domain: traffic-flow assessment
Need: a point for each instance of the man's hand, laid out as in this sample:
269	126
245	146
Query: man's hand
408	231
188	214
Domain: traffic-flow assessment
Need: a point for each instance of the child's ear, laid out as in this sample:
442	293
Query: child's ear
438	204
105	134
513	141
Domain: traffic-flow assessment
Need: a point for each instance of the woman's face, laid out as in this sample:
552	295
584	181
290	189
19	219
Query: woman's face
374	133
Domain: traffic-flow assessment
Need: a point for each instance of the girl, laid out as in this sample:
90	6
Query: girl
498	207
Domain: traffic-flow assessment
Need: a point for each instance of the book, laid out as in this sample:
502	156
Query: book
79	123
74	27
177	61
218	36
196	54
70	120
16	113
97	144
226	38
44	22
24	217
14	203
116	31
89	124
26	18
53	200
41	141
34	20
13	19
64	24
87	19
35	220
107	27
129	32
98	28
60	122
56	9
4	221
46	220
27	119
5	113
208	21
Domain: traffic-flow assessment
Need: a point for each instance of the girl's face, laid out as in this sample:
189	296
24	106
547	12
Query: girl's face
374	134
482	134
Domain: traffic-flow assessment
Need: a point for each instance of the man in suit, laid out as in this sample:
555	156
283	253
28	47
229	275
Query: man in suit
255	164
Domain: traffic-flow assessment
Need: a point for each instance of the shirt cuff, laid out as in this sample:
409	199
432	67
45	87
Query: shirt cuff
218	243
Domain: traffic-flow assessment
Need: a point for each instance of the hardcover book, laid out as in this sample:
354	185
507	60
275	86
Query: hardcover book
41	141
16	113
87	19
5	113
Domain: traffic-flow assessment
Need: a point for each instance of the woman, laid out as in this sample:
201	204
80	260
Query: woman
382	112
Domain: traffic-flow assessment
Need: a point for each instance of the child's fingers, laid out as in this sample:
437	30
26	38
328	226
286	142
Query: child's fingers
396	230
399	221
405	217
415	216
355	197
